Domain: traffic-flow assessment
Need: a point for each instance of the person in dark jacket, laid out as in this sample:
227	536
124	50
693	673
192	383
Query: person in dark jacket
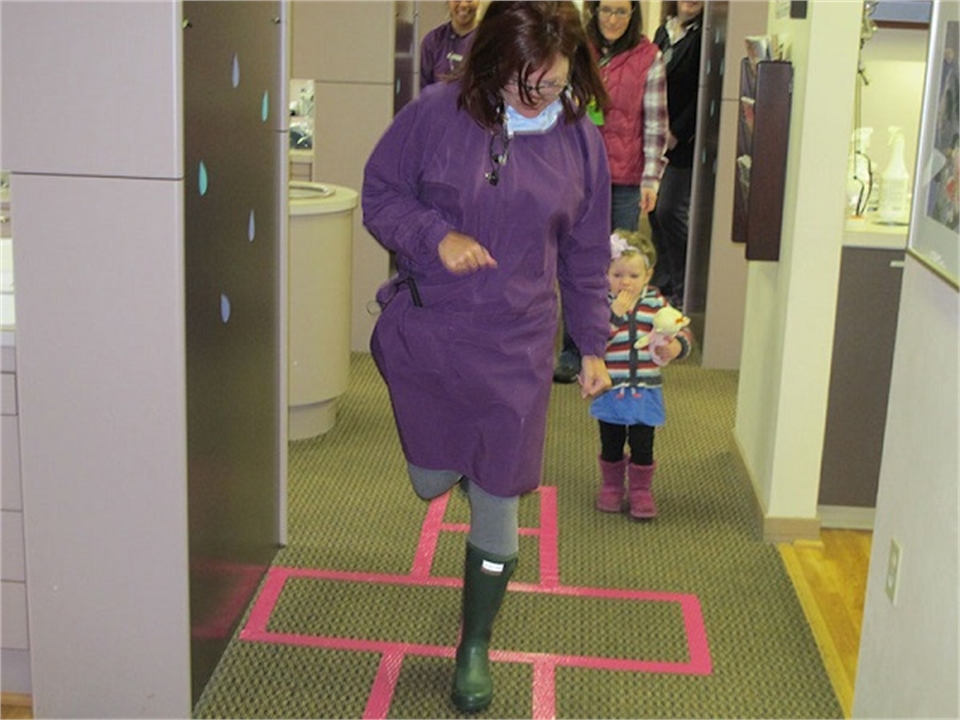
679	38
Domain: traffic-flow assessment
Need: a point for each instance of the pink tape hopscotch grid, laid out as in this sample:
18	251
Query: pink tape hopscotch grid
543	664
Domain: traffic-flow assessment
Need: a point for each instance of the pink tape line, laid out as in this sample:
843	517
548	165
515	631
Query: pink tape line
543	664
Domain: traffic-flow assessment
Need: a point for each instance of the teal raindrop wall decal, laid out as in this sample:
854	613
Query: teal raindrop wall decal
265	107
236	70
202	178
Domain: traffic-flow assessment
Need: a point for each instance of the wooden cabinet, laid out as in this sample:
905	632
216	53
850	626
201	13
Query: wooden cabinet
763	133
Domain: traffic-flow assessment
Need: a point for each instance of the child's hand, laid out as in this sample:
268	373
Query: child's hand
669	351
624	302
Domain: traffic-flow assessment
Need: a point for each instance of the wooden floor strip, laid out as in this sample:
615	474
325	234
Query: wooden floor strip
821	632
16	706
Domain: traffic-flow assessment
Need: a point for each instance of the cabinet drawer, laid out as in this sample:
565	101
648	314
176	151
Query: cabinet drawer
10	494
8	394
11	534
13	607
8	358
301	171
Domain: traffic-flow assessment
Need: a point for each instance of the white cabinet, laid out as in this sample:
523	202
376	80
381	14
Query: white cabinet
14	640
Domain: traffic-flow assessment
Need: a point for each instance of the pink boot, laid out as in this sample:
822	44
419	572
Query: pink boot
640	478
610	497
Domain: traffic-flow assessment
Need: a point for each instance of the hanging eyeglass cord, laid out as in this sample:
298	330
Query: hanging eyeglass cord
497	158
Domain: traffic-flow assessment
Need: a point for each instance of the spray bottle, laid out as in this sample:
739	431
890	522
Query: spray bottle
895	183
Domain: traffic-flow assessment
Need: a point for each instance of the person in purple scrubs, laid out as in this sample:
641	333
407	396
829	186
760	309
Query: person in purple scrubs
443	49
492	190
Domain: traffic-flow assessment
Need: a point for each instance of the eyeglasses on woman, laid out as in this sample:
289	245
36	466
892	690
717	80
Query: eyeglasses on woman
608	13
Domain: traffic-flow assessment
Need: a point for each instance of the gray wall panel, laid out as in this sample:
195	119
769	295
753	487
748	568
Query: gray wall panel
91	88
232	71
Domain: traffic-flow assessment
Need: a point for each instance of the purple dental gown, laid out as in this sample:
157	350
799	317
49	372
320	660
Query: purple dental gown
469	369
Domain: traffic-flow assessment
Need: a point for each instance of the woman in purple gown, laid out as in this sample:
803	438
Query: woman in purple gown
444	48
492	190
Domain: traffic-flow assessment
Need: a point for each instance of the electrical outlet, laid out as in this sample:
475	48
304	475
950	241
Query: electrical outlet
894	561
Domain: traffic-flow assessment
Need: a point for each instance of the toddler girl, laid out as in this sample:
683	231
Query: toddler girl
631	410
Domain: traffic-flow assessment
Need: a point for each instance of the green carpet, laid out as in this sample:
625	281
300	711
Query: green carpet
352	510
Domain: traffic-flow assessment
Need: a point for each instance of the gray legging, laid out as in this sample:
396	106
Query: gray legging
494	525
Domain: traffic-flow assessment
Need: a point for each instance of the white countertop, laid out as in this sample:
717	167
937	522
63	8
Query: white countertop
866	232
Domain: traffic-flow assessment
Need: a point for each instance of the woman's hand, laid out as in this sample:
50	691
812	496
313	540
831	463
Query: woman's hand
461	254
648	199
594	378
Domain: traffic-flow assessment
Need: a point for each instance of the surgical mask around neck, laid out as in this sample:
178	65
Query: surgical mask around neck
518	124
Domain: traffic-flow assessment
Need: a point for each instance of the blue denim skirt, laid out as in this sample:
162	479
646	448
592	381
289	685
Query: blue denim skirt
630	406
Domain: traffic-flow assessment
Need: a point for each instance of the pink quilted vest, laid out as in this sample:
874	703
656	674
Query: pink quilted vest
625	78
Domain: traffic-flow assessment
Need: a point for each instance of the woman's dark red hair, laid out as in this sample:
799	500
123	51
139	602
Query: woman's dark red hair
516	42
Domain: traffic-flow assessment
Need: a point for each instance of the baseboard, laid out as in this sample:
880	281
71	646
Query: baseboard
843	517
771	529
786	529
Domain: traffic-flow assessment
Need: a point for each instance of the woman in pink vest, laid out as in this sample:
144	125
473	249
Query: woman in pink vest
634	124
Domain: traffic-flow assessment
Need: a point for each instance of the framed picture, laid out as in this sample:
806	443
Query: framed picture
934	236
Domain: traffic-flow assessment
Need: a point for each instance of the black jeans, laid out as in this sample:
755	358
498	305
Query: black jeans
670	222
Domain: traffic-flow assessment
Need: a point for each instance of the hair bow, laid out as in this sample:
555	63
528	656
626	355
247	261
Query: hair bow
618	246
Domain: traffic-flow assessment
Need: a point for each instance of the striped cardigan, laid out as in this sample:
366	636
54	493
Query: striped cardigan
627	365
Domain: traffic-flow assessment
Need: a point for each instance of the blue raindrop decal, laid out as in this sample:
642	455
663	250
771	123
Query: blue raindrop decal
202	178
236	70
265	108
251	227
224	308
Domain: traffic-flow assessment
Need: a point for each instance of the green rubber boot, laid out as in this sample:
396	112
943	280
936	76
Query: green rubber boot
485	580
